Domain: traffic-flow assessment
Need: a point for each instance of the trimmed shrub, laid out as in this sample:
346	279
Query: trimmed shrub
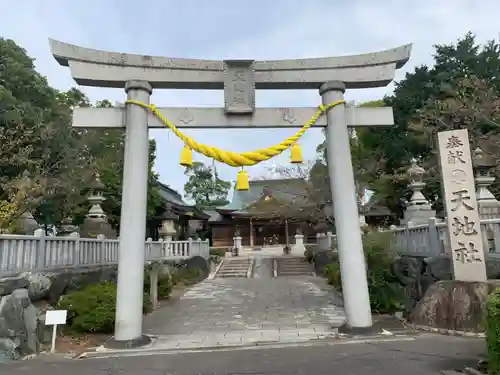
93	308
309	254
493	332
187	276
218	251
386	293
332	274
164	286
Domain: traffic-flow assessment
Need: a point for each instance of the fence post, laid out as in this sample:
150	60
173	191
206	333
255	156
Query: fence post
102	258
408	226
41	254
162	248
153	283
329	236
76	248
149	246
4	254
434	240
190	247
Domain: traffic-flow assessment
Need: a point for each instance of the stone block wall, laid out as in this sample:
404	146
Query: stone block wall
22	324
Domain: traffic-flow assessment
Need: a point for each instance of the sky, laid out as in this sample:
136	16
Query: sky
238	29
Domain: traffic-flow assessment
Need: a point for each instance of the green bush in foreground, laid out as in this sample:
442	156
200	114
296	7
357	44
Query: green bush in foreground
386	293
493	332
219	251
93	308
187	276
309	254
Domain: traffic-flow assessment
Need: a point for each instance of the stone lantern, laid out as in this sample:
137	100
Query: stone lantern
96	221
419	210
27	223
67	227
167	229
96	198
489	206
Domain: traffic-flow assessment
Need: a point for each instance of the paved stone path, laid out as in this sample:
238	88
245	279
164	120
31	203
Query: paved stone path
227	312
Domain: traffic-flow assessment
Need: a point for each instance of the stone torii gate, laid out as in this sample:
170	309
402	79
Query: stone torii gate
139	75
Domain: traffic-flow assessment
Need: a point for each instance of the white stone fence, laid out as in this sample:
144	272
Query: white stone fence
19	253
431	239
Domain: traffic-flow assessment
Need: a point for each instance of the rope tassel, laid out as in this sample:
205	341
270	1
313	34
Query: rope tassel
296	154
186	157
242	181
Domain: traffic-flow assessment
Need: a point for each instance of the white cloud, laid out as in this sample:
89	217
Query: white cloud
240	29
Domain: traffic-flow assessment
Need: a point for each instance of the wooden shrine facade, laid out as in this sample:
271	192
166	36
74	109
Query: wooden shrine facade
271	212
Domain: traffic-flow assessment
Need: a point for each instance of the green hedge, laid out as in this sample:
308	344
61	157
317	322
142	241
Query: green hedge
219	251
309	254
386	293
93	308
493	332
187	276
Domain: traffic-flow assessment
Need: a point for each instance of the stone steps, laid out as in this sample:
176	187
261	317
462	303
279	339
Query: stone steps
294	266
234	267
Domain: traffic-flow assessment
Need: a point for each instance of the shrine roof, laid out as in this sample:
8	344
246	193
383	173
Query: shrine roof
171	195
290	191
375	208
174	198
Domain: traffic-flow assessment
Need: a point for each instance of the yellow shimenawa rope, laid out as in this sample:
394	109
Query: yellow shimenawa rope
236	159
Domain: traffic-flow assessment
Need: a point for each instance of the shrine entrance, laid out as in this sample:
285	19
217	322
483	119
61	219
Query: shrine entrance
239	79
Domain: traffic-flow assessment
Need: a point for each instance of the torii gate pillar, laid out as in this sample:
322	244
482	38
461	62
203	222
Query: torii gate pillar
345	208
130	290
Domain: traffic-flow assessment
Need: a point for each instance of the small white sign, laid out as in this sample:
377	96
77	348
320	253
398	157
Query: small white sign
55	317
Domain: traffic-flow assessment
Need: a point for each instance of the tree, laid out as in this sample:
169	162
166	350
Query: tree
37	145
46	165
205	187
106	154
460	90
365	165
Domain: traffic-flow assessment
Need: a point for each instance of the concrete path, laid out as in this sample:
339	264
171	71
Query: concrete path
426	355
227	312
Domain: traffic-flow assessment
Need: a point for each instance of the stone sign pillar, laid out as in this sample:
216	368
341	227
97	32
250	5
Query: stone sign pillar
345	207
462	212
128	327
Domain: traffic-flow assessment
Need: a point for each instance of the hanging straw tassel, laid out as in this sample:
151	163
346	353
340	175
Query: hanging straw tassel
296	154
242	181
186	157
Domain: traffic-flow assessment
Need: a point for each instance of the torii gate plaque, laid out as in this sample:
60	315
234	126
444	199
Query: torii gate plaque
239	79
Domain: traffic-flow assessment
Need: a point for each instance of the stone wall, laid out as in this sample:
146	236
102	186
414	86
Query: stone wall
21	323
418	273
415	273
